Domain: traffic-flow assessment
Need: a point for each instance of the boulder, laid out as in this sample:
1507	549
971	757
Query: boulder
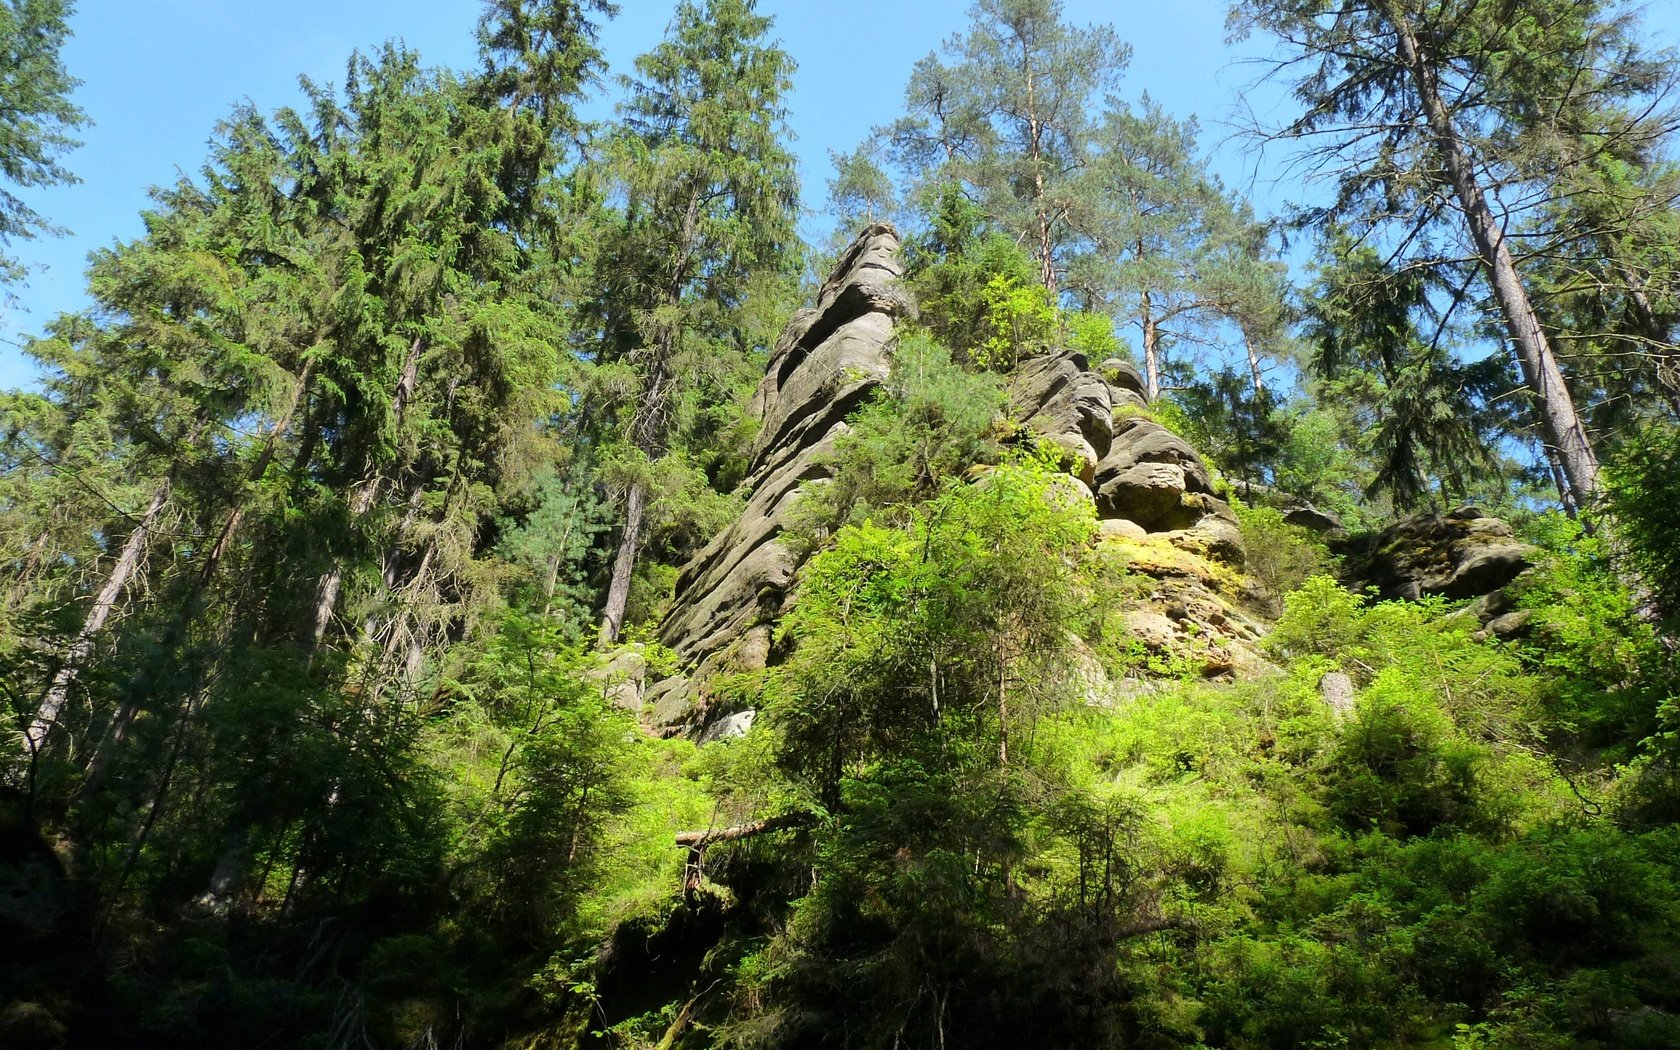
1058	396
1337	690
1464	554
1146	475
1121	374
1312	519
1154	629
1120	529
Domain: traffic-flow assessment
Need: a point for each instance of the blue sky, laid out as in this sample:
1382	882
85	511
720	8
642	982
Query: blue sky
158	74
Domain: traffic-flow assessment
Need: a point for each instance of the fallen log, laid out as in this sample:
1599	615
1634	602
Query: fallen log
702	839
697	841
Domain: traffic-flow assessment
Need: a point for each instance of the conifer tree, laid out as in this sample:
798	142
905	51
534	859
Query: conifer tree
1011	118
1181	253
37	119
1441	126
708	192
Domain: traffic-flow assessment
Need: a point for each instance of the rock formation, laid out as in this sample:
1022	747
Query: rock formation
1159	512
1463	554
827	362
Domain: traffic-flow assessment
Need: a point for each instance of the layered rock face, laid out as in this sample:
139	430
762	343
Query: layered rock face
827	362
1137	470
1157	509
1159	512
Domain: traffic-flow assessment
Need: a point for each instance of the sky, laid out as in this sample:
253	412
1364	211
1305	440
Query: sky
157	75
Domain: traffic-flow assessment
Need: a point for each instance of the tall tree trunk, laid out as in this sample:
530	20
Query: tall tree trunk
1035	132
1651	328
128	563
624	563
1254	365
118	730
1560	421
330	583
1151	344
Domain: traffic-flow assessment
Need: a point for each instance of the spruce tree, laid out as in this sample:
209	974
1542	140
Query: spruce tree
37	119
708	194
1440	126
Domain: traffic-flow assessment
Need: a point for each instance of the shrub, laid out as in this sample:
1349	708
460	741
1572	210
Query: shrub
1281	556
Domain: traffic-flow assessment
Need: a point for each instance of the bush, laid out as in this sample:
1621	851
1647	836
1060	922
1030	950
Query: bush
931	421
1280	556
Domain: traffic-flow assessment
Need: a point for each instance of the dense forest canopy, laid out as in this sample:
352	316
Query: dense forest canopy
473	576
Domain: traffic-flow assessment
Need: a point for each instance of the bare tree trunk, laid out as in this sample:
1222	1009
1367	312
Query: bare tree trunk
128	563
1035	131
1151	347
1254	365
624	563
1560	421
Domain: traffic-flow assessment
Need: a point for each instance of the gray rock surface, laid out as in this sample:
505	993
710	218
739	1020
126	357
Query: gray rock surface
1152	490
828	361
1310	517
1060	397
1337	690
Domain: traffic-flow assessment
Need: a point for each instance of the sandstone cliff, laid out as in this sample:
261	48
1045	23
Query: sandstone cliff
1157	503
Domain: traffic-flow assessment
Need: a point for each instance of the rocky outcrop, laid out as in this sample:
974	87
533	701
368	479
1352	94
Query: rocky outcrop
1137	470
1156	504
1463	554
1160	515
827	362
1295	510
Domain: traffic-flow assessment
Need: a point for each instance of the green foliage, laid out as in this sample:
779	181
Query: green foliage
1018	320
1007	126
954	616
1237	429
1320	459
1428	421
553	543
950	267
1640	489
301	538
931	421
708	193
38	118
1602	659
1092	335
1279	556
1401	767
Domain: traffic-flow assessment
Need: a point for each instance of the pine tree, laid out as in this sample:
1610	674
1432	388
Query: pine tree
1012	119
1190	257
1374	335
